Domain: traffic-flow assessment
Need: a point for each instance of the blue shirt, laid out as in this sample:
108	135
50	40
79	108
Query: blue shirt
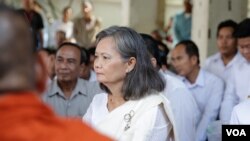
208	91
79	101
182	27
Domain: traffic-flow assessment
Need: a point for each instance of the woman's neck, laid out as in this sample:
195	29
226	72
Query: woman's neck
115	98
114	101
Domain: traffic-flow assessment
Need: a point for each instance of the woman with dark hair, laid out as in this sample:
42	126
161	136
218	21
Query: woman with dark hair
132	107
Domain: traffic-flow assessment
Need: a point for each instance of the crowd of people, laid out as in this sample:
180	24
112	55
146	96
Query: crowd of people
116	83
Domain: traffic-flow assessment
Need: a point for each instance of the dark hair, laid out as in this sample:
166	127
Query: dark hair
50	51
163	53
191	49
152	47
227	23
85	56
91	50
243	29
143	79
73	45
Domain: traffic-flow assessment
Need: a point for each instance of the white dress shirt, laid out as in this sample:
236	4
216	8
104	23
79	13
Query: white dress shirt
237	90
208	91
241	113
185	109
215	65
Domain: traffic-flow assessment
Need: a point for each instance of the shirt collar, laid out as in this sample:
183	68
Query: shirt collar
80	88
218	58
200	80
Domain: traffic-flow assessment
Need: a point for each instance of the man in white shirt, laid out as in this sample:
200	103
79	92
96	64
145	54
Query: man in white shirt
206	88
64	24
238	88
222	62
185	109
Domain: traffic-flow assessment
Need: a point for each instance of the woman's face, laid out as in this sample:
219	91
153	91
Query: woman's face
110	68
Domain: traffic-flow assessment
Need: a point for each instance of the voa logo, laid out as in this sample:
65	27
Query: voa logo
236	132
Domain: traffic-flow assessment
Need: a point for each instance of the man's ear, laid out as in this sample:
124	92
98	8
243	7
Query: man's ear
194	60
130	64
40	75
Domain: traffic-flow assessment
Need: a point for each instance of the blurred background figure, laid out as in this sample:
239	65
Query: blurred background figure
222	62
34	19
169	32
86	71
206	88
65	24
237	89
163	50
182	23
87	26
60	37
91	52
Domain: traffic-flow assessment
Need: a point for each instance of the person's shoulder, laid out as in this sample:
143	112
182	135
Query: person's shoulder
212	78
213	57
98	21
244	104
77	19
77	130
179	14
174	80
92	84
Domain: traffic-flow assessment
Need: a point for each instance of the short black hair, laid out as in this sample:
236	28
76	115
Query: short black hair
191	49
243	29
227	23
152	47
73	45
85	56
91	50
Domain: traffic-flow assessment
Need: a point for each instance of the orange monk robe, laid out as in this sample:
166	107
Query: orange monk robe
23	117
